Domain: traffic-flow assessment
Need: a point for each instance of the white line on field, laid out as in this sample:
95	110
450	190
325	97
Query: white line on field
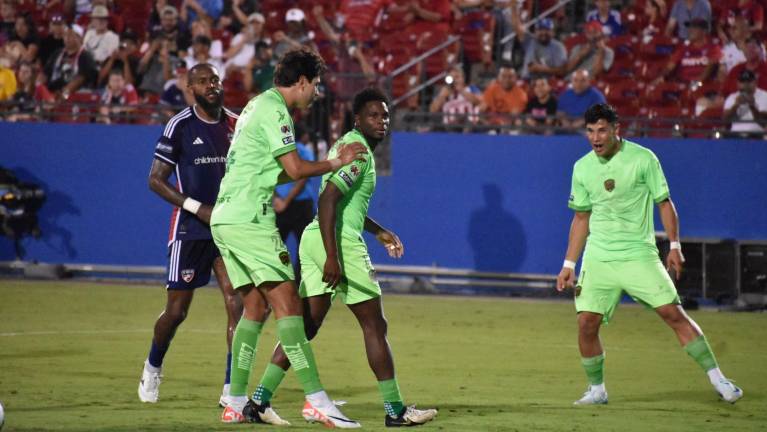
87	332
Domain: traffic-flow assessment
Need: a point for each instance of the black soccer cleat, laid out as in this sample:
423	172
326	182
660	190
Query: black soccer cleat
255	413
410	416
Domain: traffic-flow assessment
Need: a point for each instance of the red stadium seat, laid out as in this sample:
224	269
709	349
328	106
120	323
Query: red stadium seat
659	47
441	60
707	124
476	31
665	121
623	68
624	46
665	94
80	107
574	39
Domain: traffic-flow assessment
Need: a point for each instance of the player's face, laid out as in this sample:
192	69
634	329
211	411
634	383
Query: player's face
374	120
308	91
603	137
206	87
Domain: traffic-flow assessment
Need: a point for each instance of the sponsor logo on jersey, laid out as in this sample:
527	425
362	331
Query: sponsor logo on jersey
187	275
204	160
288	140
164	147
572	197
345	177
281	116
284	258
609	185
197	141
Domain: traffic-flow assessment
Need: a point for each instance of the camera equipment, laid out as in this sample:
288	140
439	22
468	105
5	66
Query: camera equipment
19	203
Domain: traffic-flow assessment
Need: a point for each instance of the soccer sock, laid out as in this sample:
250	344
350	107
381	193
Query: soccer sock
392	399
700	351
293	340
244	345
156	355
272	378
594	367
228	374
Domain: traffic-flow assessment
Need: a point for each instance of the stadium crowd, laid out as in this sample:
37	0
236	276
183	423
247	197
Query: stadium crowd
118	60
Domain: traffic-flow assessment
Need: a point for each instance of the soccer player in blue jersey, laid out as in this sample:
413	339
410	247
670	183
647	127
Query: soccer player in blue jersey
193	146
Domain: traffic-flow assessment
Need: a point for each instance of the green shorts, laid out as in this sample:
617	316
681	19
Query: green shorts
359	282
601	285
253	254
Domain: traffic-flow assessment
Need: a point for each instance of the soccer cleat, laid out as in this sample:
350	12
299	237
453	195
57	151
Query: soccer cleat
230	415
332	418
728	391
410	416
256	413
592	396
149	386
223	401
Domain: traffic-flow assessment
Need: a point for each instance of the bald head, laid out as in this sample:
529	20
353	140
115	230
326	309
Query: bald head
580	80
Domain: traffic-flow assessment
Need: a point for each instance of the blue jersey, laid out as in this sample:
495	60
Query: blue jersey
198	151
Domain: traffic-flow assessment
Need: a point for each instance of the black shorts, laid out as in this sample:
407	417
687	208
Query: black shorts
190	263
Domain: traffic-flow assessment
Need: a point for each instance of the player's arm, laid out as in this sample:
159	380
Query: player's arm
280	203
297	168
391	241
670	220
326	212
579	231
159	184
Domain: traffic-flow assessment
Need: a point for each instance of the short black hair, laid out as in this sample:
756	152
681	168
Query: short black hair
370	94
200	66
202	39
601	111
297	63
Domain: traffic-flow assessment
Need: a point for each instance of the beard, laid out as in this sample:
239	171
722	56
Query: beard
210	107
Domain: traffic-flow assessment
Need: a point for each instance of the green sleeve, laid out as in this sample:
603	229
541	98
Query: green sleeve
655	179
579	197
277	131
347	176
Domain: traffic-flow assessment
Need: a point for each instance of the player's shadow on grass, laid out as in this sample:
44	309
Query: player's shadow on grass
495	234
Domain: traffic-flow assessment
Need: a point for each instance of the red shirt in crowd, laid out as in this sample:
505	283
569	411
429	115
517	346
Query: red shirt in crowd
360	16
731	82
692	60
441	7
753	12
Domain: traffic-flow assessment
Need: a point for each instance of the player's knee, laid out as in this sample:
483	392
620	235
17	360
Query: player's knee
588	326
377	326
176	315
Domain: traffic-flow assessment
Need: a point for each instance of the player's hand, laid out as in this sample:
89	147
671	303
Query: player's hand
565	279
331	273
279	205
392	243
351	152
204	213
675	263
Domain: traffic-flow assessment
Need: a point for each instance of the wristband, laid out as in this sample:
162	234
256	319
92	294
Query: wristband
335	164
675	245
191	205
569	264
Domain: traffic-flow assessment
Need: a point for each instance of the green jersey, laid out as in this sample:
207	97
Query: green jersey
620	194
358	182
263	133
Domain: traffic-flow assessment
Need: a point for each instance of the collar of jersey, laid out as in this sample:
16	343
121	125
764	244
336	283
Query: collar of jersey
620	150
279	95
364	140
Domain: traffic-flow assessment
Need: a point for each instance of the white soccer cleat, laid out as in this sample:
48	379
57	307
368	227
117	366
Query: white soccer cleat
149	386
592	396
330	417
262	413
231	415
223	401
728	391
410	416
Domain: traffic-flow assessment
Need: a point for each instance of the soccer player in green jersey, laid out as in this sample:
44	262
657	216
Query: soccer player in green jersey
263	153
334	261
613	191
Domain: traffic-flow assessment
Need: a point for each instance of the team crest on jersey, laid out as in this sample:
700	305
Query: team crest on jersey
609	185
285	129
187	275
284	258
355	171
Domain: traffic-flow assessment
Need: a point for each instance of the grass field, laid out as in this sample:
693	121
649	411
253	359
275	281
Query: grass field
71	355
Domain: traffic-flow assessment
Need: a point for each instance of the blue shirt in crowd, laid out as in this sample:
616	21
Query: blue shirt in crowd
575	104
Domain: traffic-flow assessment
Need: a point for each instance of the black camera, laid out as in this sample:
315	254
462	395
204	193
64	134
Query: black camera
19	203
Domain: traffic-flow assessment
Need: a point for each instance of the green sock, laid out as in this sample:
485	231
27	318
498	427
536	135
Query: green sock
594	367
244	345
700	351
391	397
272	378
293	340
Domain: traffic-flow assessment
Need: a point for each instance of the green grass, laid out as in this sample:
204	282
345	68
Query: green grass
71	355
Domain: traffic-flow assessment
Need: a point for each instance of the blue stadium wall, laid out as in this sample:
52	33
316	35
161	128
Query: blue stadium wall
494	203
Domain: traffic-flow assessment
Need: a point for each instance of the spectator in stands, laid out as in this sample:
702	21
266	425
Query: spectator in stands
126	58
243	46
653	22
77	8
696	61
71	68
28	93
170	30
608	19
359	17
25	34
201	27
167	44
54	41
541	109
503	98
201	54
755	62
296	35
241	10
593	55
423	16
7	77
750	10
114	22
457	98
7	20
747	108
259	73
544	55
685	11
574	101
206	10
117	100
99	40
176	94
733	52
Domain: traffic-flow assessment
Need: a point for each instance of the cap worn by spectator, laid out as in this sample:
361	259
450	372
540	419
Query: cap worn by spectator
545	23
100	12
593	26
697	22
746	76
257	17
294	14
77	29
170	10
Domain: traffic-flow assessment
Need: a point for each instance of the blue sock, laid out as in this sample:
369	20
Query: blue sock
228	367
156	355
